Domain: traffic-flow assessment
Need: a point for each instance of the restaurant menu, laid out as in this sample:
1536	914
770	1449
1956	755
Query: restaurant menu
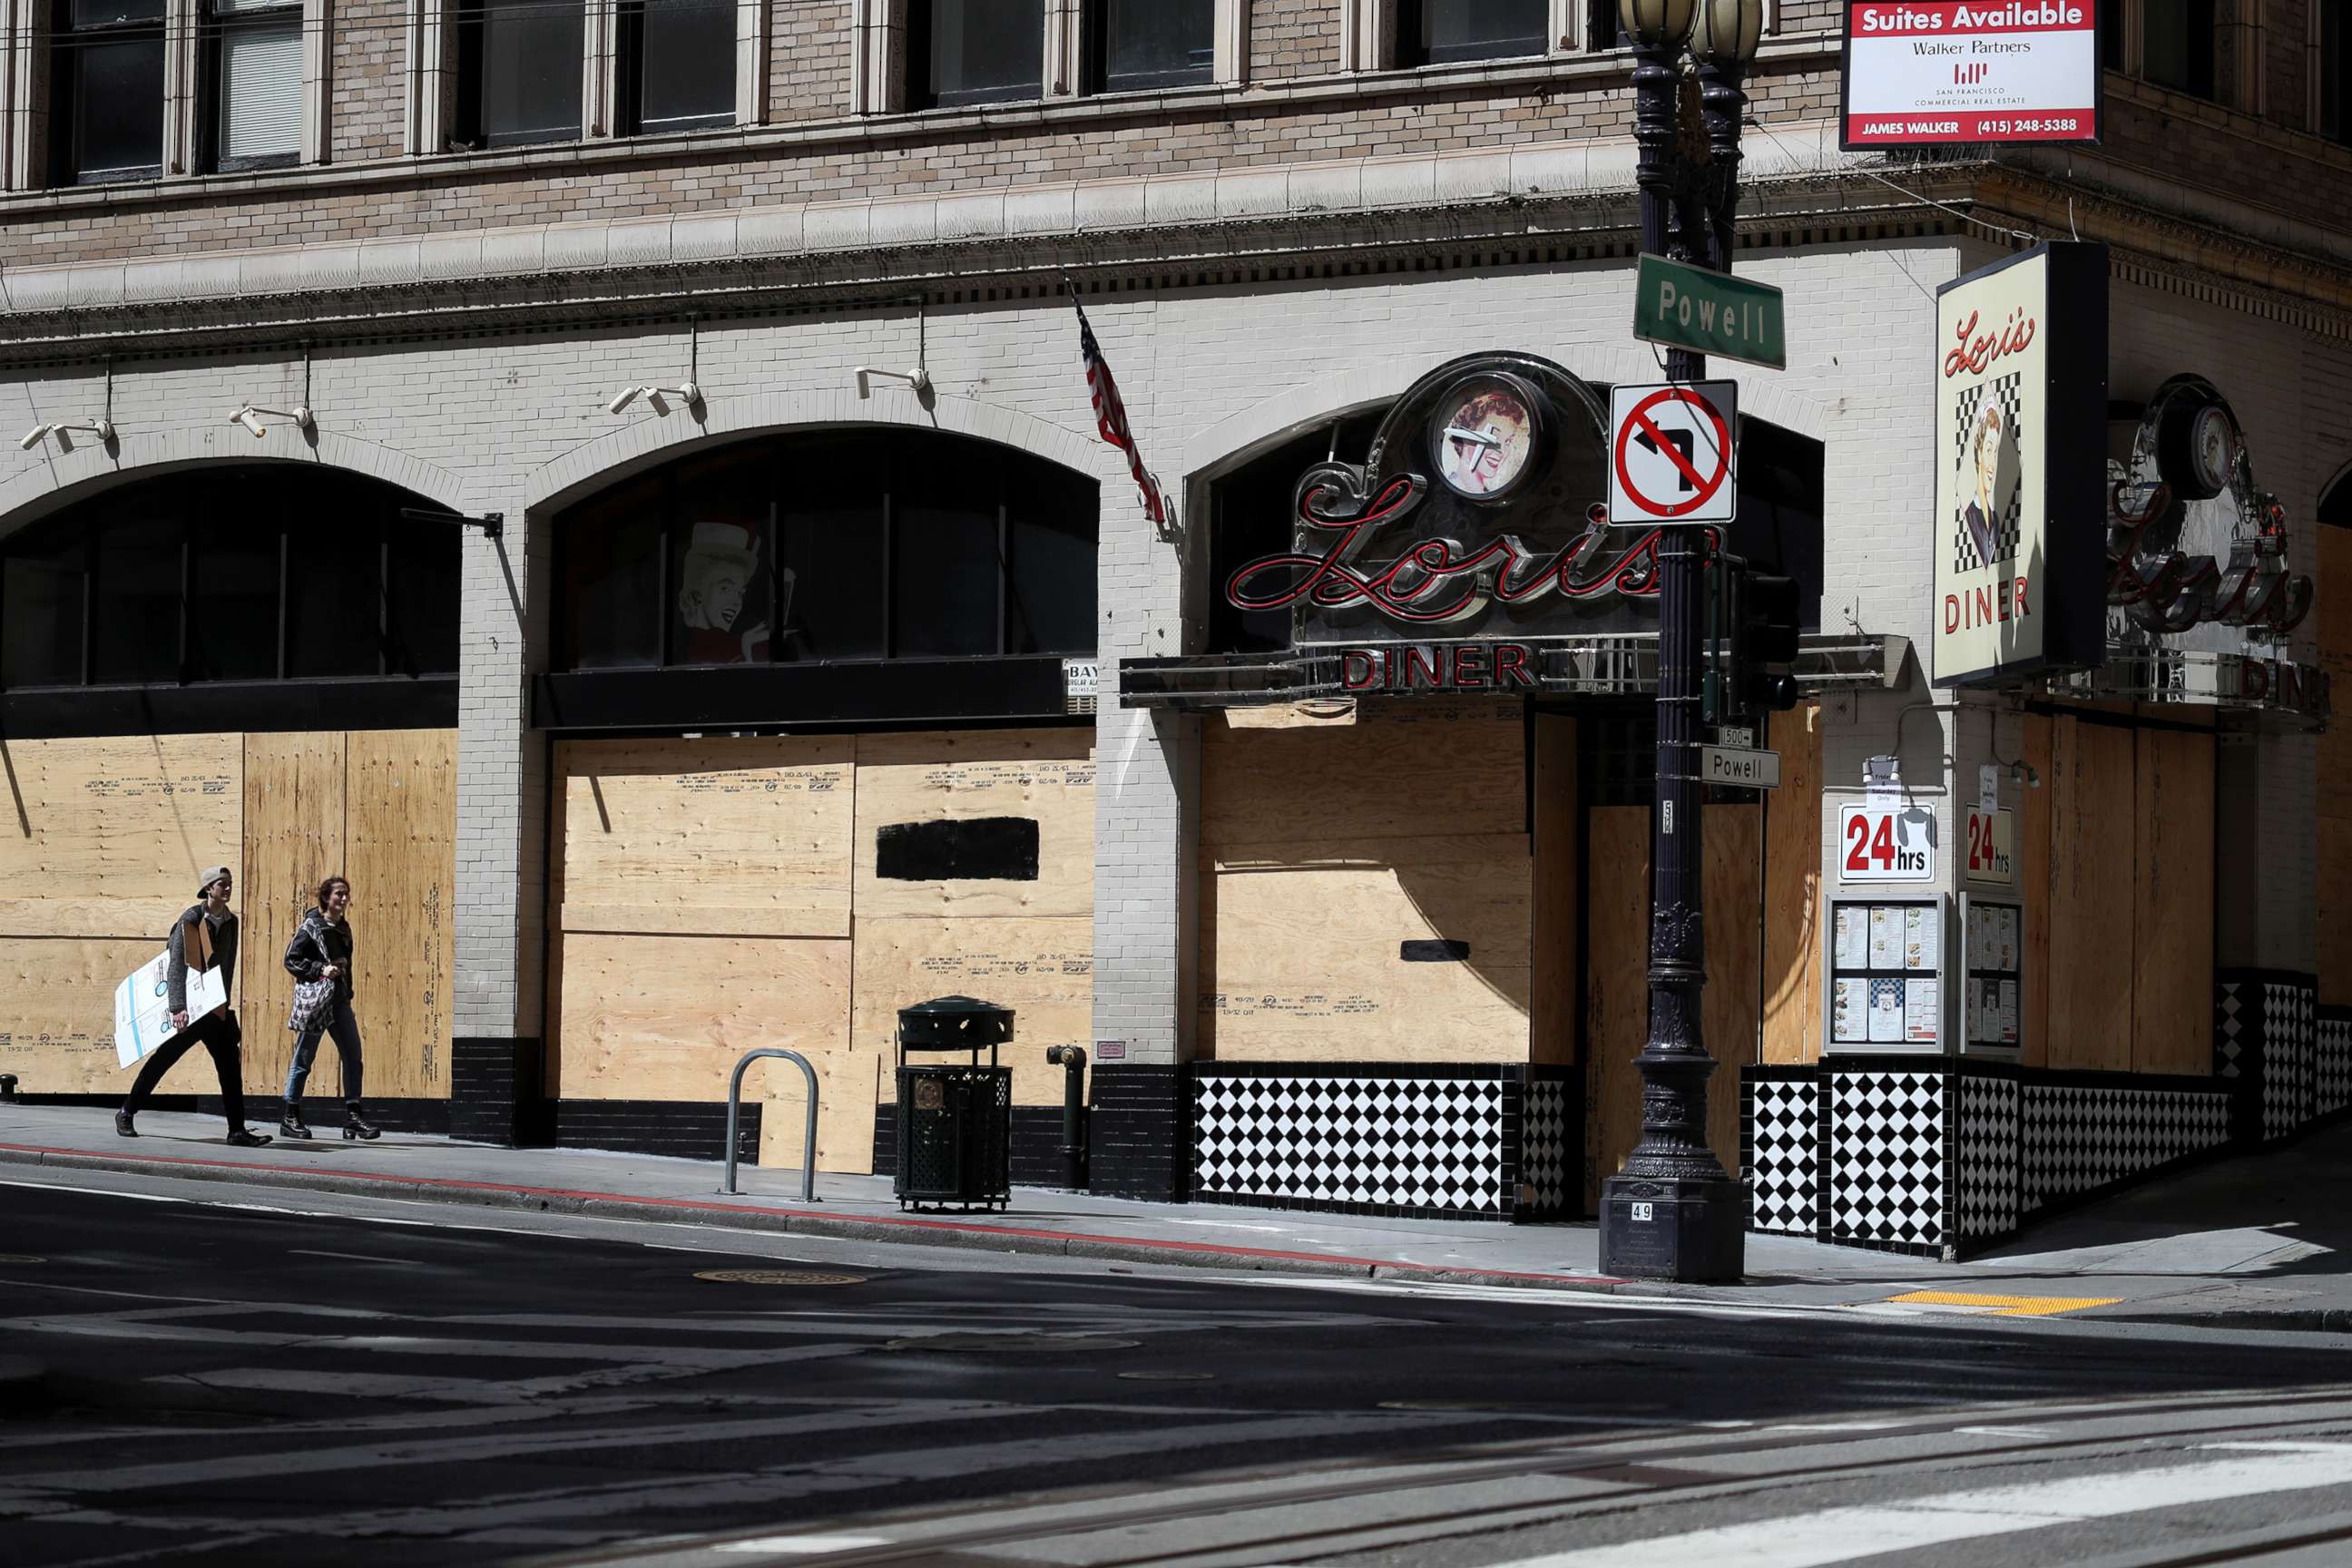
1885	974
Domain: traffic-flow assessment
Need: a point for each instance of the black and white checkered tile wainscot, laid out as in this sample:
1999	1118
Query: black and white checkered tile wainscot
1887	1181
1784	1150
1544	1164
2079	1138
2290	1011
2332	1064
2236	1032
1425	1144
1988	1133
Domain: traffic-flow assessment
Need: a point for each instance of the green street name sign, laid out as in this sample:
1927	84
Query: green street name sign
1689	307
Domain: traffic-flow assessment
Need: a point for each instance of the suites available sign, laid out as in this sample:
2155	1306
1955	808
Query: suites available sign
1921	75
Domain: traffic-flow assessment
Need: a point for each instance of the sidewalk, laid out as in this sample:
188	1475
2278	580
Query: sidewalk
2263	1241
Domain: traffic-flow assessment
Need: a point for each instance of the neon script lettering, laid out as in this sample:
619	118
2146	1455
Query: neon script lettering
1972	352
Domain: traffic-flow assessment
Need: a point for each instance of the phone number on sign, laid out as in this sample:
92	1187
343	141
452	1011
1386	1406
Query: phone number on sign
1986	126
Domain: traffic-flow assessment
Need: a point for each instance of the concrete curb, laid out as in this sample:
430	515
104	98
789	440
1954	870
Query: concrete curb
2298	1321
903	1231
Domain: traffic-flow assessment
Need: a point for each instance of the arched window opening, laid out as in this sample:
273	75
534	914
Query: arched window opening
262	572
830	546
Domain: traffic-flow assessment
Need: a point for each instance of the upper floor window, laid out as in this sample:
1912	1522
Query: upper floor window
677	65
2179	45
106	91
251	572
975	51
1143	44
830	545
519	64
2333	26
1439	32
255	62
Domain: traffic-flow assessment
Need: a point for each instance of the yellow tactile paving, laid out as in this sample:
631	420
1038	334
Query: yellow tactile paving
2003	1306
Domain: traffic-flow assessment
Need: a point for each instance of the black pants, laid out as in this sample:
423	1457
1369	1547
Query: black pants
219	1034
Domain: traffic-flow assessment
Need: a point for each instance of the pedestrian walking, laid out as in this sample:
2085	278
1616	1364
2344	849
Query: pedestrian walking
321	953
204	937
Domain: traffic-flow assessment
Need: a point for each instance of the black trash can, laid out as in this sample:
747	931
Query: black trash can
955	1118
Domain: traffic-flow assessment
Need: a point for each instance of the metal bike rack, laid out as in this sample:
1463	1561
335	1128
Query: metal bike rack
735	1114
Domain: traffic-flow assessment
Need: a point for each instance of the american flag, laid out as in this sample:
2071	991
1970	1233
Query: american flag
1110	417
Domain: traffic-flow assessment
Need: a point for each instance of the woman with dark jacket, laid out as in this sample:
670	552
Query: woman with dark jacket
203	940
321	950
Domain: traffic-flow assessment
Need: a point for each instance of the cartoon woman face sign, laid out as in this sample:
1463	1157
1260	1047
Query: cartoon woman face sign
721	565
1991	453
1485	443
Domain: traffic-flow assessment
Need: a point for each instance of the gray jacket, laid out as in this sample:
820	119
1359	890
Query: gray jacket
215	948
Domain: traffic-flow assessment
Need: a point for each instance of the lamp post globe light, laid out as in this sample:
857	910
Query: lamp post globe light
1673	1213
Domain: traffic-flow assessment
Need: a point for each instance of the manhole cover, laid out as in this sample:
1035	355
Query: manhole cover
1169	1376
1021	1344
778	1277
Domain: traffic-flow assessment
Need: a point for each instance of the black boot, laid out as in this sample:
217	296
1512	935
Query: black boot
122	1124
358	1126
289	1121
246	1138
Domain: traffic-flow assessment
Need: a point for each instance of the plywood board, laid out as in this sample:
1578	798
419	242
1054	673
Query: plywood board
106	836
1320	713
1046	777
2033	886
1450	770
2092	767
400	856
1555	913
1729	1009
58	1037
2334	934
1041	969
2172	924
294	805
667	1018
1792	890
1310	956
741	837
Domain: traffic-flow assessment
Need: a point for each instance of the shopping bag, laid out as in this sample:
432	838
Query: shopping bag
143	1006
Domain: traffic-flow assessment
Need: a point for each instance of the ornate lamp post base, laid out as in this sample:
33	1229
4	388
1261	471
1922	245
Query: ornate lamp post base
1687	1228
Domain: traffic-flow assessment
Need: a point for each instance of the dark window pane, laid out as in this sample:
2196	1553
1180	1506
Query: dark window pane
684	63
424	594
979	51
118	106
138	594
1051	607
1436	31
612	579
2180	45
1157	43
525	67
334	569
233	612
835	574
2111	35
41	614
721	573
944	567
2334	68
111	13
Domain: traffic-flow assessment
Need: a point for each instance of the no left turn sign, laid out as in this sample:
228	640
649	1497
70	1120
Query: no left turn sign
1671	452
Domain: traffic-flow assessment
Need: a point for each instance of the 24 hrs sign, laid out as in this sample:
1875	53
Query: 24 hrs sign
1886	844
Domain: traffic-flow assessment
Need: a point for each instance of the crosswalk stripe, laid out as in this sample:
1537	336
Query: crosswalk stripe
1845	1534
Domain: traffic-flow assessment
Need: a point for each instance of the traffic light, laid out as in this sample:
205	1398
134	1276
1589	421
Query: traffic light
1764	631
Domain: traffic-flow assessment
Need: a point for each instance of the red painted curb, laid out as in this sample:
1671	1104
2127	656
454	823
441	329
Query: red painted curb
895	1222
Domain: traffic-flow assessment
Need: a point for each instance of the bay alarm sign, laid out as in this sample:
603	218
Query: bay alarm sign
1928	75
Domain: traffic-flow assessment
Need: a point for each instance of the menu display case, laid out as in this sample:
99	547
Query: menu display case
1992	987
1886	971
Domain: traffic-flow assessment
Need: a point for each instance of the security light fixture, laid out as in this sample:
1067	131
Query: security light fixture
685	392
101	428
918	379
251	416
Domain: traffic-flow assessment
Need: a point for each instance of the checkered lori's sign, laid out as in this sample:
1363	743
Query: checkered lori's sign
2020	457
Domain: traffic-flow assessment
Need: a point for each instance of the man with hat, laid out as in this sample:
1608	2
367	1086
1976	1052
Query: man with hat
205	938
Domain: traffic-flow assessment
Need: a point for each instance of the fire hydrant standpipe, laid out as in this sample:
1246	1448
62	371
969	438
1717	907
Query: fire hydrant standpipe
1072	1060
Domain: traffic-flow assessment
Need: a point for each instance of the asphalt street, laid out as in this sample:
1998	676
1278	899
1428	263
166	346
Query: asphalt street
295	1378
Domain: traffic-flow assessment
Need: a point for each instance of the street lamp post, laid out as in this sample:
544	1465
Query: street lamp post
1673	1213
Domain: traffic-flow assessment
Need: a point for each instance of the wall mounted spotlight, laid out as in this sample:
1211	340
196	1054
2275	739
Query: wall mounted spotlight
918	379
251	417
101	428
686	393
